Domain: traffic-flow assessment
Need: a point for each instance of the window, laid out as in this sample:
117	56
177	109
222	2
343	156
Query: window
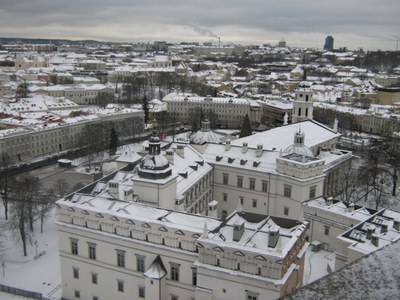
224	197
74	246
224	214
251	295
252	183
174	272
92	250
240	181
313	191
241	199
287	192
225	178
264	186
94	278
194	276
140	263
286	211
75	272
77	293
174	297
95	298
120	285
121	258
254	202
141	291
326	231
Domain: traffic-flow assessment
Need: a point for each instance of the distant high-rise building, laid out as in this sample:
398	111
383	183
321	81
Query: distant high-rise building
282	43
329	43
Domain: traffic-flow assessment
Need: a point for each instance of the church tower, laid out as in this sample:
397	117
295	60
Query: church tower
303	104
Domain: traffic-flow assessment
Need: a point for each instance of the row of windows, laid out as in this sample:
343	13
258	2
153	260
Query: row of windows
120	288
120	255
252	182
121	262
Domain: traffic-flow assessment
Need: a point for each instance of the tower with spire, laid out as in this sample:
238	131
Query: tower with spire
303	104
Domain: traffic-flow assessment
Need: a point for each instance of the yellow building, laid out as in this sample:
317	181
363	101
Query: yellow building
388	95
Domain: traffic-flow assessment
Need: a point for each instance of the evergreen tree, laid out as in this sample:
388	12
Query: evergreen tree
146	109
246	127
194	126
113	141
22	90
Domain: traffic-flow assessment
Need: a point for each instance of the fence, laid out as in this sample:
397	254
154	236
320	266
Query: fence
20	292
28	294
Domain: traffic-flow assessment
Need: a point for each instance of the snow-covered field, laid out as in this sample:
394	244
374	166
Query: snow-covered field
40	275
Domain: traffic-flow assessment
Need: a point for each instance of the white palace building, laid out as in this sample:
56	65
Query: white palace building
208	221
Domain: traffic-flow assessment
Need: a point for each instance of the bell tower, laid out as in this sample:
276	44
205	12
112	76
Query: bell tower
302	104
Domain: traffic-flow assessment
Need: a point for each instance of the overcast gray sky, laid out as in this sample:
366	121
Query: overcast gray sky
371	24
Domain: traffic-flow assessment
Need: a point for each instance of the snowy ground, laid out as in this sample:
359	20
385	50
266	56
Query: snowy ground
40	275
316	265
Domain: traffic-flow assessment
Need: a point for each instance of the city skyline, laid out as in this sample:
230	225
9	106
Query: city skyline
365	24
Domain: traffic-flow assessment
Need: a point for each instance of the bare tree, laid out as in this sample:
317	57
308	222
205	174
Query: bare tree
45	204
30	186
61	186
19	221
104	98
386	154
349	183
5	181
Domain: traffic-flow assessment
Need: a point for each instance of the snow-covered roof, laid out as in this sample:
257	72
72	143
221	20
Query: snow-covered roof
140	213
256	234
282	137
128	155
384	229
380	280
203	137
175	97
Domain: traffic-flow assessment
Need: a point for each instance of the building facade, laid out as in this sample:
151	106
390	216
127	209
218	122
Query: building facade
123	250
329	40
80	93
46	140
229	112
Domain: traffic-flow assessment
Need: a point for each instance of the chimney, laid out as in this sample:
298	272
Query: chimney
329	201
396	225
113	188
384	228
227	145
375	240
205	231
259	150
169	155
238	229
244	147
180	150
351	206
273	237
370	231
